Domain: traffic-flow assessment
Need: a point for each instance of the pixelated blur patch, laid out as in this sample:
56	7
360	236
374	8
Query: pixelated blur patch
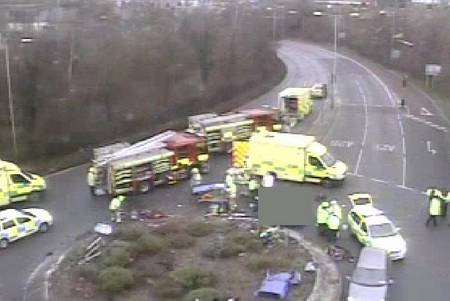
286	204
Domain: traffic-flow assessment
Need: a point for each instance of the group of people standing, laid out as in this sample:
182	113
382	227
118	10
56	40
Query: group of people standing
438	201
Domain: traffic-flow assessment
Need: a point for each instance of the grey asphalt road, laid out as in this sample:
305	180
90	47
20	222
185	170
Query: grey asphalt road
392	153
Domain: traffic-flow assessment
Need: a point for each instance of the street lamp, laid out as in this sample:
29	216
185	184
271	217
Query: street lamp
10	100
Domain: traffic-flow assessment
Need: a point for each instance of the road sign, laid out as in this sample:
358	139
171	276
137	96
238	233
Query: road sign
433	69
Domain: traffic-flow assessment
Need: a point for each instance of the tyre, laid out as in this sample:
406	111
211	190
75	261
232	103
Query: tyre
4	243
43	227
144	187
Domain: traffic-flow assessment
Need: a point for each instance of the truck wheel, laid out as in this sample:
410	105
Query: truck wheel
144	187
4	243
43	227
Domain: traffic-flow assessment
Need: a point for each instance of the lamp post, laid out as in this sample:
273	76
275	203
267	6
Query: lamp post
10	100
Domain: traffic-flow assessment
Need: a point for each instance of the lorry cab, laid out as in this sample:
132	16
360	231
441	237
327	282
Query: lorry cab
17	185
189	151
263	119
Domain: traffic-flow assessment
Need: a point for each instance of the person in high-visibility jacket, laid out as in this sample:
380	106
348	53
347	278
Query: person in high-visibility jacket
232	195
333	223
336	208
322	216
434	209
115	206
196	177
91	179
229	179
253	186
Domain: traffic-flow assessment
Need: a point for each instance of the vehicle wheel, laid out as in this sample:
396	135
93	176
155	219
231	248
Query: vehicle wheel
4	243
328	183
43	227
144	187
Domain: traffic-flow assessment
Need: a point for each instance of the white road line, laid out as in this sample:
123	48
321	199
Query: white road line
363	143
390	97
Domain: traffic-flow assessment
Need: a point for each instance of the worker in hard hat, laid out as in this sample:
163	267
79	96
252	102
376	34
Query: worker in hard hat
91	179
322	216
196	177
336	208
434	207
115	206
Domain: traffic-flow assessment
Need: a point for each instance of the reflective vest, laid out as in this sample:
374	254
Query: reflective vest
333	222
232	191
435	206
322	215
115	204
253	185
336	209
229	180
90	178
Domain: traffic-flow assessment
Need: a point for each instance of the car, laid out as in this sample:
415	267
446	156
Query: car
19	223
319	91
373	229
369	280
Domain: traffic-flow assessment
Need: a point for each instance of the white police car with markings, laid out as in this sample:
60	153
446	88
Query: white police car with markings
19	223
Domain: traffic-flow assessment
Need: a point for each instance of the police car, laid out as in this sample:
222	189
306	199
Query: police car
373	229
18	223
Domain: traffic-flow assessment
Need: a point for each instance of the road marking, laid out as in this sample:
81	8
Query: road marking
429	149
391	99
385	147
388	183
341	143
366	122
425	112
426	122
354	104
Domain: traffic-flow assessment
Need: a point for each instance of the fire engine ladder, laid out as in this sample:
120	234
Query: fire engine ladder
143	146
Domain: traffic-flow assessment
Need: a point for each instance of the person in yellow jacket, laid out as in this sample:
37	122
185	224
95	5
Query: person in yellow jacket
336	208
333	223
115	206
91	179
434	209
322	216
253	186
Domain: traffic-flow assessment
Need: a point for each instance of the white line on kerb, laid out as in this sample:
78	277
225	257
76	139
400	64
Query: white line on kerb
363	143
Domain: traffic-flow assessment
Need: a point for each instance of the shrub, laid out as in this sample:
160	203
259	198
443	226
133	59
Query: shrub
259	263
115	279
192	278
224	250
131	232
167	288
181	241
145	269
149	244
203	294
199	229
117	257
170	227
87	271
249	242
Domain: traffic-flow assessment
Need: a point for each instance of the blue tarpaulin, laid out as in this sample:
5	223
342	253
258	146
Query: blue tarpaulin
278	285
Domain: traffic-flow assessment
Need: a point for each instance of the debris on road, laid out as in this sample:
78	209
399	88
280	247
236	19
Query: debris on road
311	266
105	229
338	253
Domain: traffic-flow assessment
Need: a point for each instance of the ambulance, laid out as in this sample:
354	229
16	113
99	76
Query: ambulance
17	185
286	156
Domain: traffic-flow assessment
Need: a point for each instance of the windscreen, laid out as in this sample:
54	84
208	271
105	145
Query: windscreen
382	230
328	159
370	277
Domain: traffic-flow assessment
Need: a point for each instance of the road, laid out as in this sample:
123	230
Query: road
392	153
